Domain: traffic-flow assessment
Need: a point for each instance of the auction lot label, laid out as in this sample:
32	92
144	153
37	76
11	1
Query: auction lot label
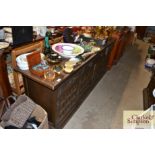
139	119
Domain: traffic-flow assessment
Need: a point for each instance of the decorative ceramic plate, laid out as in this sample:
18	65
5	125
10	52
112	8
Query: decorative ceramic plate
68	69
3	45
67	50
70	64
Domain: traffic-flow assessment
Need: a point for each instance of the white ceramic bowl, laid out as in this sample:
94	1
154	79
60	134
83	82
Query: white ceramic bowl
67	52
67	48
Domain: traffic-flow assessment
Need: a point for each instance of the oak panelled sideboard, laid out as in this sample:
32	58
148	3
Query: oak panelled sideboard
62	96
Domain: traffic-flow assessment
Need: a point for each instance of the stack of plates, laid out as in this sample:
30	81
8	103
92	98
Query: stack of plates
22	61
3	45
7	29
8	37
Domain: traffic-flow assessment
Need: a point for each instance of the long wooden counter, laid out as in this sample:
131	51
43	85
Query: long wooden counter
61	99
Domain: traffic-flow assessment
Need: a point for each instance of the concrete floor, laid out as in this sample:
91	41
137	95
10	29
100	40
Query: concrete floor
120	89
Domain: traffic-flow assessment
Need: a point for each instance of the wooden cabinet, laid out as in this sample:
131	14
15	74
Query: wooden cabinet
115	49
63	99
121	41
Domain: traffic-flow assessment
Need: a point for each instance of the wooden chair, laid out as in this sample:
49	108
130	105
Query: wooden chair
34	46
5	88
4	81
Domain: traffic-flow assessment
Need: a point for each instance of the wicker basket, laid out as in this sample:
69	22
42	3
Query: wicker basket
40	115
